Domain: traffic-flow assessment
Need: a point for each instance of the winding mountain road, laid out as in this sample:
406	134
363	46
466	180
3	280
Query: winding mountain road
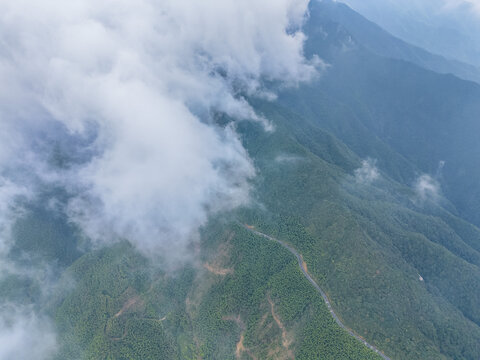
322	293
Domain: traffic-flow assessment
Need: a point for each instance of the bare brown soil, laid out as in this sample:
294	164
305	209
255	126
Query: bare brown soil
286	342
128	304
218	270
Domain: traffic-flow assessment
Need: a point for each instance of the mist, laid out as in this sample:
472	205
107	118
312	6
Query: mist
138	87
427	188
449	28
116	105
367	173
24	335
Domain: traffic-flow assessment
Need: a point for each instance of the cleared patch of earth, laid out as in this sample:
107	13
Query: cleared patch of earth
286	342
129	304
218	270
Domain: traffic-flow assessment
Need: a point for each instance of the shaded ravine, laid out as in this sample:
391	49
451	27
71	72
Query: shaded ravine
322	293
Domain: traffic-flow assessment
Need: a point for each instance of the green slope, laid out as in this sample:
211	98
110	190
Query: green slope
402	273
407	117
199	314
367	244
380	42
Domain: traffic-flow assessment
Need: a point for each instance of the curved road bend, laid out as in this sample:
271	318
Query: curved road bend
324	296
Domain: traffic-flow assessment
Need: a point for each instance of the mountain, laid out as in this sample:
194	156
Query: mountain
339	180
422	116
367	245
448	28
382	43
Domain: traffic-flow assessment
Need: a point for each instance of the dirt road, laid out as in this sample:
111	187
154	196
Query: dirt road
303	267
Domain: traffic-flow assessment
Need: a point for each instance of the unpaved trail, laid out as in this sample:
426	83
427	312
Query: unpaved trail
303	268
217	270
128	304
240	347
285	341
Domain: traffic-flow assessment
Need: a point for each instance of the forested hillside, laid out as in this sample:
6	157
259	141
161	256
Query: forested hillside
369	171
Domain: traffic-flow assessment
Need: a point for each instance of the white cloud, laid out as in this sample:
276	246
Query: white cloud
427	188
368	173
24	335
146	78
10	194
130	90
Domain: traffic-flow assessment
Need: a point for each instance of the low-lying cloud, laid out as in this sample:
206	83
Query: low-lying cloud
137	85
24	335
10	196
116	104
427	188
367	173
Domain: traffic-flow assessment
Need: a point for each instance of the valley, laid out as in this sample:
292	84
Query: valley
205	181
303	268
